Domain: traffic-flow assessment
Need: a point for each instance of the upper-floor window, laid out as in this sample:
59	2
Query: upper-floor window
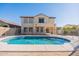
41	20
25	20
30	20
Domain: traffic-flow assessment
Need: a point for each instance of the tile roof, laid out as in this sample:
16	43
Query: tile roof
36	15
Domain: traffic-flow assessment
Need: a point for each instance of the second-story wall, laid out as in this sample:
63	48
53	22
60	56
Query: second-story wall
28	21
31	21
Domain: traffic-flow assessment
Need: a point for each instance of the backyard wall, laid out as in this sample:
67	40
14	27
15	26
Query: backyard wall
13	31
10	32
6	31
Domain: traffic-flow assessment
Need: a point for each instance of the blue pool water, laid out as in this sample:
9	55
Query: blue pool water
36	40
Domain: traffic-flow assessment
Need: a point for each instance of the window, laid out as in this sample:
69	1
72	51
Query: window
25	29
41	20
25	20
30	29
30	20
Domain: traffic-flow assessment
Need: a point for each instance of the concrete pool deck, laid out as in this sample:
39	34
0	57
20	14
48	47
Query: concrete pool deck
34	53
50	50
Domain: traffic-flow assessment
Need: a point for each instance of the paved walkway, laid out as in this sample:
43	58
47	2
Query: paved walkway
38	53
28	53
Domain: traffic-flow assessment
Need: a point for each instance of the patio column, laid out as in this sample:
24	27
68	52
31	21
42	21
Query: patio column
34	30
44	30
22	30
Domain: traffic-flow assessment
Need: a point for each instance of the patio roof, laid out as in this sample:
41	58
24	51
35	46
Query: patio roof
8	22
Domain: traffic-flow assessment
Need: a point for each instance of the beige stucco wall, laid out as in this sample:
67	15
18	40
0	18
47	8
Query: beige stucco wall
11	31
47	20
5	31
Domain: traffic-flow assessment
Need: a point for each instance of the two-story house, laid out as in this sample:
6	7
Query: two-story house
39	24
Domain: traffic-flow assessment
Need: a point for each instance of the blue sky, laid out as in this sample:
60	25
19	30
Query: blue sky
64	13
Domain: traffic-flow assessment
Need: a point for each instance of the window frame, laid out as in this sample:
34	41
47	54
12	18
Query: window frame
41	20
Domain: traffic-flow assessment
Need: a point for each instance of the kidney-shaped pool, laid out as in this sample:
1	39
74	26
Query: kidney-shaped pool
36	40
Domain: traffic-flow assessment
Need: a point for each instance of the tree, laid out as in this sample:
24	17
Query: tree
70	30
3	25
